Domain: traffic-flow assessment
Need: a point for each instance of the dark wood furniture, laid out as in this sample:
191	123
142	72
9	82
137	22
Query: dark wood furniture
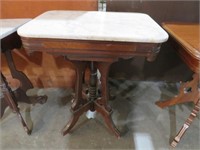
101	55
186	40
86	38
10	40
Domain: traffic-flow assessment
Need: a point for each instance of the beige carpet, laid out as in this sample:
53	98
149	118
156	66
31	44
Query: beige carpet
143	124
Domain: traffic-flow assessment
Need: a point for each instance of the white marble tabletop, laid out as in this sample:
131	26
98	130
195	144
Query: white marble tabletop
9	26
94	25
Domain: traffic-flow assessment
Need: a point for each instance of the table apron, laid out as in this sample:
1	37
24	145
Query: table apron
91	50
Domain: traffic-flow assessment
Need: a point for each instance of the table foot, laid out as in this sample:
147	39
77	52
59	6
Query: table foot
75	116
23	123
38	99
70	124
186	124
188	92
106	114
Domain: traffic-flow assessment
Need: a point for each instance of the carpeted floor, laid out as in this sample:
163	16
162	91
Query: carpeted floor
144	125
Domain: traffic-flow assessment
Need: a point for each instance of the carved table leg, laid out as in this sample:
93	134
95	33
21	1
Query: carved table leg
78	102
80	105
186	124
25	83
101	105
188	92
11	101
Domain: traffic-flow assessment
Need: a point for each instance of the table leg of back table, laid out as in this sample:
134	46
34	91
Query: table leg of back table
11	100
101	105
25	83
186	124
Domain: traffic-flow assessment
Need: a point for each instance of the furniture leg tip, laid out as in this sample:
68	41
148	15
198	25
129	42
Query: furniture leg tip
173	144
118	134
159	104
42	99
27	131
63	133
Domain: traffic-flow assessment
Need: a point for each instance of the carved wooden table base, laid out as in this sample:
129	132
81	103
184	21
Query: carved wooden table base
10	98
188	92
93	103
25	84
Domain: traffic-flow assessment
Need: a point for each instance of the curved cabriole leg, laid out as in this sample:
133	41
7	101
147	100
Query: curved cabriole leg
78	102
11	100
102	105
70	124
75	116
107	118
186	124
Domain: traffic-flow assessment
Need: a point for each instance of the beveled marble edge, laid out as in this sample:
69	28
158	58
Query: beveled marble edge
9	26
94	25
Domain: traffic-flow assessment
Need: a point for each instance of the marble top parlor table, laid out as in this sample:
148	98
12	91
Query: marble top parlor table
10	40
97	38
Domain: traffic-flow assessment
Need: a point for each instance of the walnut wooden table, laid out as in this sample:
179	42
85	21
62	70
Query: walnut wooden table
97	39
10	40
185	38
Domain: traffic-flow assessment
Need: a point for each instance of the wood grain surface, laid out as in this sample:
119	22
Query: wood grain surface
188	38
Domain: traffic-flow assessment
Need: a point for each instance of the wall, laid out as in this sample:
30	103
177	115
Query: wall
32	8
44	70
168	66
